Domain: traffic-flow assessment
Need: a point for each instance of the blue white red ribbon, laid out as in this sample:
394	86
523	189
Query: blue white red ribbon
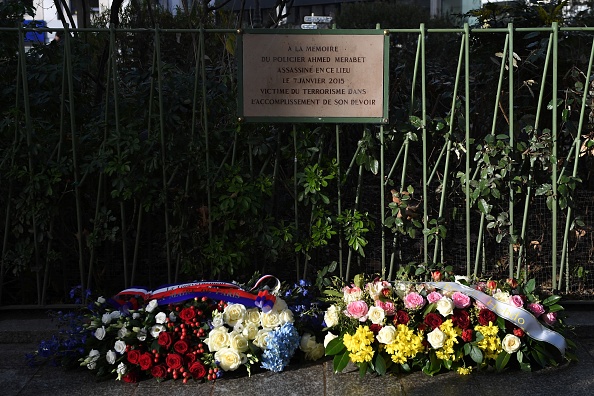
518	316
215	290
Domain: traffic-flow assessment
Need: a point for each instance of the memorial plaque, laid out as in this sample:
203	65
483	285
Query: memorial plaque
308	76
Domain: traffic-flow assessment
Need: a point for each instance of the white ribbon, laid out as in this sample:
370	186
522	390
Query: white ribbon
518	316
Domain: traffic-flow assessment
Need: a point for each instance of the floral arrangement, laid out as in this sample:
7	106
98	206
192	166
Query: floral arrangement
439	326
195	339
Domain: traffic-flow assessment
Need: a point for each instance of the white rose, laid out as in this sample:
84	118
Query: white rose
234	313
286	316
386	335
511	343
123	332
279	305
217	321
238	342
238	328
120	347
156	329
110	356
316	352
150	307
331	316
115	315
260	339
445	306
161	317
329	337
270	320
101	300
376	315
436	338
106	318
307	342
100	333
252	315
218	338
501	296
250	330
229	359
141	335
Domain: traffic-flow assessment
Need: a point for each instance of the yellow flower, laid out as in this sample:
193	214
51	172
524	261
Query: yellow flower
464	370
358	345
406	345
447	352
490	344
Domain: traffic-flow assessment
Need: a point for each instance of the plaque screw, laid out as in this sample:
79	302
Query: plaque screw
240	119
386	32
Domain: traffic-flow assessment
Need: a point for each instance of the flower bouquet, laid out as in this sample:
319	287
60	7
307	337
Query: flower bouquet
438	326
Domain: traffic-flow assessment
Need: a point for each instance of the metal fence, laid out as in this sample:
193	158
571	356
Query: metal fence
492	190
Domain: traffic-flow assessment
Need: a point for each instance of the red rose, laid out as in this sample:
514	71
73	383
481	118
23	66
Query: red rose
518	332
159	371
492	284
189	358
401	317
197	370
461	318
145	361
174	361
133	356
165	339
181	347
485	316
187	314
433	320
467	335
436	275
131	377
375	328
422	327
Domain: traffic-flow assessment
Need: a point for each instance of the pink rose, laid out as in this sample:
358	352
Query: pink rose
480	305
536	308
550	318
414	301
517	301
357	309
351	294
387	306
460	300
434	297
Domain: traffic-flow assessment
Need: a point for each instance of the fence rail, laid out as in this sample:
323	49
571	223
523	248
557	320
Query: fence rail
153	178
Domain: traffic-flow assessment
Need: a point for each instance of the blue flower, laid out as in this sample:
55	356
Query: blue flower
281	344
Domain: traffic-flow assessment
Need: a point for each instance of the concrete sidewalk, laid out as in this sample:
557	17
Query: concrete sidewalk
19	335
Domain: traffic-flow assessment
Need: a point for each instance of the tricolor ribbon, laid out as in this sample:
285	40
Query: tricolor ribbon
225	291
518	316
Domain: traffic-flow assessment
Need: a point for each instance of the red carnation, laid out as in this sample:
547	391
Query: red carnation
131	377
401	317
461	318
181	347
197	370
518	332
145	361
159	371
375	328
133	356
467	335
485	316
187	314
433	320
165	339
174	361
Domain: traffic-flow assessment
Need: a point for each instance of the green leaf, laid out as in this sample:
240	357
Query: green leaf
341	361
363	370
551	300
475	353
379	364
484	207
530	286
555	308
502	361
335	347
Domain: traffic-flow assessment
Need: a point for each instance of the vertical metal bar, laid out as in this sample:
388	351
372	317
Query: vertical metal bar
467	141
163	149
383	200
577	146
295	200
68	54
206	129
424	137
511	143
338	194
555	27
